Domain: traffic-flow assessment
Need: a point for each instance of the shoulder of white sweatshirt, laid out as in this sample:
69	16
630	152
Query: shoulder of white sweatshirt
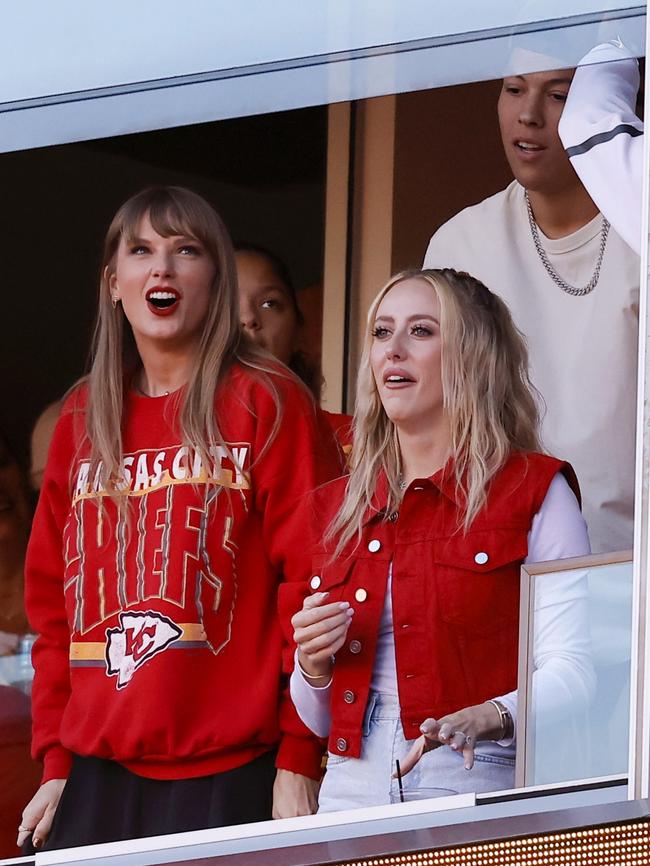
603	137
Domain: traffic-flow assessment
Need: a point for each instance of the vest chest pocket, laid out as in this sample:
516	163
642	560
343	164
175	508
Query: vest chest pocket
476	579
329	576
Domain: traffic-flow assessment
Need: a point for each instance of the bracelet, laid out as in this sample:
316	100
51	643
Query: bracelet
507	724
311	676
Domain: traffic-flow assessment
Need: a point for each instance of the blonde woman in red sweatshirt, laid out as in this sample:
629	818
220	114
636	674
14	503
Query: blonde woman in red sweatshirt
165	524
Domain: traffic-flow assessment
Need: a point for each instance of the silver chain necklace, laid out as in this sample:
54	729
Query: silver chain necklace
550	270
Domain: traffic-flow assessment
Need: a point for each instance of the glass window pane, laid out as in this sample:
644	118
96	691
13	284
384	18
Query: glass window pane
576	708
228	67
106	41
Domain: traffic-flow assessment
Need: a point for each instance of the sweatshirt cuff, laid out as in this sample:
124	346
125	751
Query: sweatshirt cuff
56	764
303	755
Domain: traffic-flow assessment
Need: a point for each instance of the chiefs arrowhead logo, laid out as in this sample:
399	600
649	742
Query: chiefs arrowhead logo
139	637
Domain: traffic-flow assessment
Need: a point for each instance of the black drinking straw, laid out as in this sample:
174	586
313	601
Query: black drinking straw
399	781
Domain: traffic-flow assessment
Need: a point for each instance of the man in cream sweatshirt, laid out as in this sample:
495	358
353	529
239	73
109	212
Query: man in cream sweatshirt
572	284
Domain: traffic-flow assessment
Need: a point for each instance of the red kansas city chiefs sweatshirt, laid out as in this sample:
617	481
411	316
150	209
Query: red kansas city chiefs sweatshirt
159	644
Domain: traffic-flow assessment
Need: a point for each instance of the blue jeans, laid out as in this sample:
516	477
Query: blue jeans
350	783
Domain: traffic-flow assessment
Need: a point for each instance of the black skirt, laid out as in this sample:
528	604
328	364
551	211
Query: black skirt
104	802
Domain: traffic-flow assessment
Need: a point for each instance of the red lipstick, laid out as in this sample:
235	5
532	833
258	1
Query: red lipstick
162	300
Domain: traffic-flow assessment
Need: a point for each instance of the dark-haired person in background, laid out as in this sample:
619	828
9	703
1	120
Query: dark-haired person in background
572	285
271	316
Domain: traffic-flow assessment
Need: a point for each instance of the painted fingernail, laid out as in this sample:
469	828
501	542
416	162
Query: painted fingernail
344	605
426	727
350	611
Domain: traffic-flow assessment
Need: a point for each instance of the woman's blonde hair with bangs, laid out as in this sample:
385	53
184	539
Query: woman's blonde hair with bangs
114	357
491	404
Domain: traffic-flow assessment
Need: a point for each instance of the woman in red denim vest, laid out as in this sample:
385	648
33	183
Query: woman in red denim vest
414	590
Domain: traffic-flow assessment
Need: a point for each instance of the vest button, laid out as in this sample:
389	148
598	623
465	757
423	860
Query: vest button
349	697
374	545
315	582
481	558
341	745
361	594
355	647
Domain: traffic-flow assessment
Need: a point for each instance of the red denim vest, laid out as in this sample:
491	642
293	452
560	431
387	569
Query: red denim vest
455	595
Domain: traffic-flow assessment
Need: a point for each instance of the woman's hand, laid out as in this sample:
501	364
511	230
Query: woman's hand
39	812
294	795
319	631
460	731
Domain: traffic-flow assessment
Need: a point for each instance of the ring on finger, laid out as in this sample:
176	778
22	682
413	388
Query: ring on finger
22	829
